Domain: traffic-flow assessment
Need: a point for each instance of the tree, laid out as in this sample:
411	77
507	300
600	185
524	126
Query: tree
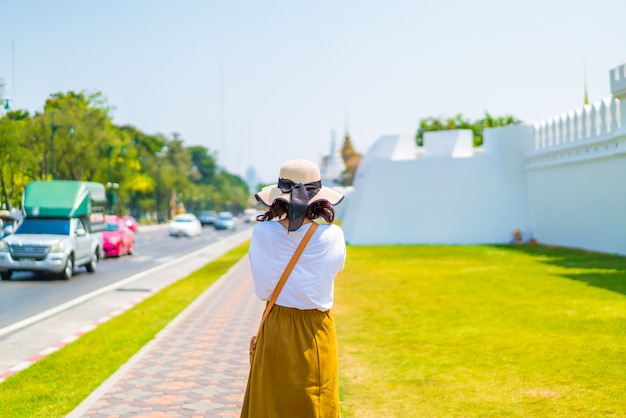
76	130
149	171
205	164
10	158
458	122
18	162
233	192
2	100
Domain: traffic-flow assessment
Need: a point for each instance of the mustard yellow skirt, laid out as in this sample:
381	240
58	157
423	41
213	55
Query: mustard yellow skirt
294	372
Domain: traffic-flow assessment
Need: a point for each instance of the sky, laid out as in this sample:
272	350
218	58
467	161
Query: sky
261	83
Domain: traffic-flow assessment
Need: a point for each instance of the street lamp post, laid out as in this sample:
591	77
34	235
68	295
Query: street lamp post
112	187
53	129
158	194
110	192
159	155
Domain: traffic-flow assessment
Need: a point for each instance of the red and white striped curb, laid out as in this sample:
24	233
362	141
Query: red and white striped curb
44	353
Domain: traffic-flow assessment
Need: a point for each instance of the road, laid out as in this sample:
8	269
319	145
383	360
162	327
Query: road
38	311
27	294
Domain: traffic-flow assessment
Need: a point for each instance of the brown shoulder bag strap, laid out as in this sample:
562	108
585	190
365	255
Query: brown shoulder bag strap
286	273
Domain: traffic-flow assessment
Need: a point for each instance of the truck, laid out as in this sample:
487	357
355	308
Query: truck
61	229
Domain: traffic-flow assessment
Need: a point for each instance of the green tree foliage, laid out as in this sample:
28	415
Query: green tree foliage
75	138
81	129
2	100
16	166
205	165
235	192
459	122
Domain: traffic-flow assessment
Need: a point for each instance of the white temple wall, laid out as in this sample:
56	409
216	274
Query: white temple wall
561	181
434	197
581	202
576	171
572	194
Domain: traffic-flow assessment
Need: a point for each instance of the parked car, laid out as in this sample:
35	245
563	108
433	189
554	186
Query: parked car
55	234
131	222
207	217
249	215
185	224
8	222
118	238
224	220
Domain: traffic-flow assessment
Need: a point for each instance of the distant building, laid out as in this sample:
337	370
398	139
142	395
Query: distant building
351	159
332	166
332	170
252	179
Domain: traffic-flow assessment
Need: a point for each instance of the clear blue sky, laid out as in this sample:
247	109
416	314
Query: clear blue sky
264	82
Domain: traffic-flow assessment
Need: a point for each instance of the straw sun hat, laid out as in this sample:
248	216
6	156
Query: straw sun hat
299	184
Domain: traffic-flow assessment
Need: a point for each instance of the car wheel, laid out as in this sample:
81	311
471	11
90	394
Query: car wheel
67	272
6	275
92	266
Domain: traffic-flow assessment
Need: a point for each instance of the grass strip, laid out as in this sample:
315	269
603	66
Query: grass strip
56	385
478	331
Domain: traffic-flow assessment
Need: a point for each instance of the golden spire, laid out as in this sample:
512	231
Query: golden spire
586	101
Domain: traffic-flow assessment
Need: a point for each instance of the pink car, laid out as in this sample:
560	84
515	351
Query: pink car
131	222
118	238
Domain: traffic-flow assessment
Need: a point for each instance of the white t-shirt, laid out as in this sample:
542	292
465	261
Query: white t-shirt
311	283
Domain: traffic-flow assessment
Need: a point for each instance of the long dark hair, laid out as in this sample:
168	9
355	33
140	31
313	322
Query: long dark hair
319	209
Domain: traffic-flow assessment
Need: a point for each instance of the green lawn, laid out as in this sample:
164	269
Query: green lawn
481	331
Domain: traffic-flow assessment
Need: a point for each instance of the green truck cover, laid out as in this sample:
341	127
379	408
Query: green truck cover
62	198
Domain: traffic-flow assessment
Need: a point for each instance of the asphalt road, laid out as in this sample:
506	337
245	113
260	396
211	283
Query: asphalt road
39	314
28	294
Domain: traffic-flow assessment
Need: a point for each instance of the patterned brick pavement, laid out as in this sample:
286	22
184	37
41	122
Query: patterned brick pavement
196	367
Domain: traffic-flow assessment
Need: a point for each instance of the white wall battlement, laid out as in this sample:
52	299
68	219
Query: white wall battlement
618	81
449	144
588	122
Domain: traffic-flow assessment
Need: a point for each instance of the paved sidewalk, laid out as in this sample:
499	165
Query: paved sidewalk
196	367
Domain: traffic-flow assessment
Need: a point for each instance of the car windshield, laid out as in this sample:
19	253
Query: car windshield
111	226
44	226
183	220
225	216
